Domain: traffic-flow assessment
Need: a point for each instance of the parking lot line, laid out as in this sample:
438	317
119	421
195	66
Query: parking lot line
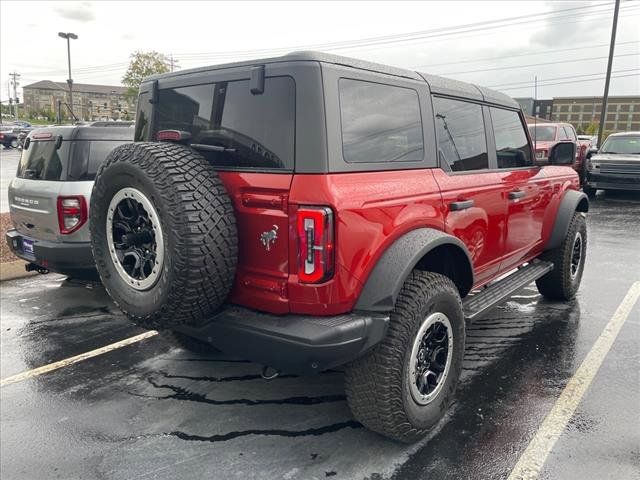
531	461
78	358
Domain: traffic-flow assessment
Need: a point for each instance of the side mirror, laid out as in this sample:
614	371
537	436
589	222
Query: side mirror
562	153
592	151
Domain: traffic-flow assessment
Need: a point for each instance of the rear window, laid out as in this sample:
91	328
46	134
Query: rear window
380	123
43	161
232	127
542	133
77	160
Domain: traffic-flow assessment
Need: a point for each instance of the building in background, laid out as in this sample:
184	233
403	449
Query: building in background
536	108
90	102
623	112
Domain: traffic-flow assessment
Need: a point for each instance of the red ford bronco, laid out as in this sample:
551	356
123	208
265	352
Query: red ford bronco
313	211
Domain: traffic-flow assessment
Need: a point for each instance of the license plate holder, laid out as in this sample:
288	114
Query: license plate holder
27	246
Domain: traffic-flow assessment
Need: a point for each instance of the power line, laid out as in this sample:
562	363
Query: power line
541	52
561	78
537	64
571	82
488	24
374	41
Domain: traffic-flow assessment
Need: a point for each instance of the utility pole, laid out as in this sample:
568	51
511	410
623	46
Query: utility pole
9	97
173	63
69	36
15	84
605	97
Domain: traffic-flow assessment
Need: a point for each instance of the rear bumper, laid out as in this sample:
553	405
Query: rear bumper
612	181
57	257
294	343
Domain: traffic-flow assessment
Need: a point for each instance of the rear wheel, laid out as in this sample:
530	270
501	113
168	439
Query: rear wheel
163	234
563	281
403	387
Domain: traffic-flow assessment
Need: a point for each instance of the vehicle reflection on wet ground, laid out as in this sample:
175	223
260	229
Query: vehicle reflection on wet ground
151	411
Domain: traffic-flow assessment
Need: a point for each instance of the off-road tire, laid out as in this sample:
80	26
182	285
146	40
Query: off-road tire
198	226
377	385
559	284
188	343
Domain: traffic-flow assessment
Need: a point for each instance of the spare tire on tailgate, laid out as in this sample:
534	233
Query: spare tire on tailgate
163	234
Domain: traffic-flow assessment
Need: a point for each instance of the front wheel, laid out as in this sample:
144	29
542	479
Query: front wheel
403	387
563	281
14	143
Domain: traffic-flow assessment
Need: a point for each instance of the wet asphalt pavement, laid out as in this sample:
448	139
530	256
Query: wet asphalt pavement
149	410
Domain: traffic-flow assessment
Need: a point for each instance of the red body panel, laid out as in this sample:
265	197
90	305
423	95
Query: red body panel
372	210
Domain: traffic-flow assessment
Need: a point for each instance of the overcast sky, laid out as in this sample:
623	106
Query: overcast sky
465	40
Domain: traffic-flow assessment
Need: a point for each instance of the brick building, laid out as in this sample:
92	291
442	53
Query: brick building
90	102
623	112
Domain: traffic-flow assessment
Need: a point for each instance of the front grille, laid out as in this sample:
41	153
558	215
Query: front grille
620	168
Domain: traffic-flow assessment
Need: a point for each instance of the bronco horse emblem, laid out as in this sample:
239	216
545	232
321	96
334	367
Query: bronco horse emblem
267	238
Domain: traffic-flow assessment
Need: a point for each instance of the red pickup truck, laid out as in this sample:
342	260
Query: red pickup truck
545	135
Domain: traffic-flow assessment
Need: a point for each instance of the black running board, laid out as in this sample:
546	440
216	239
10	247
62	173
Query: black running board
495	293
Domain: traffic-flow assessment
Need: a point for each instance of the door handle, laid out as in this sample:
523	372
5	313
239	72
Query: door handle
461	205
516	194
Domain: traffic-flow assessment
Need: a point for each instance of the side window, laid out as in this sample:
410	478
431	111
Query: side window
512	147
380	123
462	144
97	154
562	134
571	135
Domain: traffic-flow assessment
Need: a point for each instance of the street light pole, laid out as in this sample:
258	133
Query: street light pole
69	36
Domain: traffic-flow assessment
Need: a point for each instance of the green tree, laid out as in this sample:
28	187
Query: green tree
141	65
591	129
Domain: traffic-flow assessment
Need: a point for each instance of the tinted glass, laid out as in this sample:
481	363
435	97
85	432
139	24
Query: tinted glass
232	127
512	147
143	117
542	133
87	156
43	161
380	123
462	144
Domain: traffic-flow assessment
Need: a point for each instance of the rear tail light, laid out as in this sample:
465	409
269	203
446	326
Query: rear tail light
72	213
315	244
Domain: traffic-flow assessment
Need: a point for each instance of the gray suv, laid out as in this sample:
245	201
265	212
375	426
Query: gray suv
49	198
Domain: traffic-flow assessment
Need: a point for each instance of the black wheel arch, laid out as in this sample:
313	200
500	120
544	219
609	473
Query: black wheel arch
426	249
573	201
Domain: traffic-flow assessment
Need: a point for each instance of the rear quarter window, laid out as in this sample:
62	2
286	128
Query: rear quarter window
380	123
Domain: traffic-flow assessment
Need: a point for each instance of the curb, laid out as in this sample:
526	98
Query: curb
14	270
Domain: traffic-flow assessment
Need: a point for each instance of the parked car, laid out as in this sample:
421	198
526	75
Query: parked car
49	198
8	137
616	166
311	211
545	135
592	139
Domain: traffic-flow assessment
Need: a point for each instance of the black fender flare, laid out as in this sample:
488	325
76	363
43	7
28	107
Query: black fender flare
396	263
571	202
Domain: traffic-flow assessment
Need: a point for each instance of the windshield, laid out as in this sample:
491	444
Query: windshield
628	145
542	133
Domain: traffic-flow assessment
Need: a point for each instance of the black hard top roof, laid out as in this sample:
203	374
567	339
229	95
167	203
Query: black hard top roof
437	84
90	131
